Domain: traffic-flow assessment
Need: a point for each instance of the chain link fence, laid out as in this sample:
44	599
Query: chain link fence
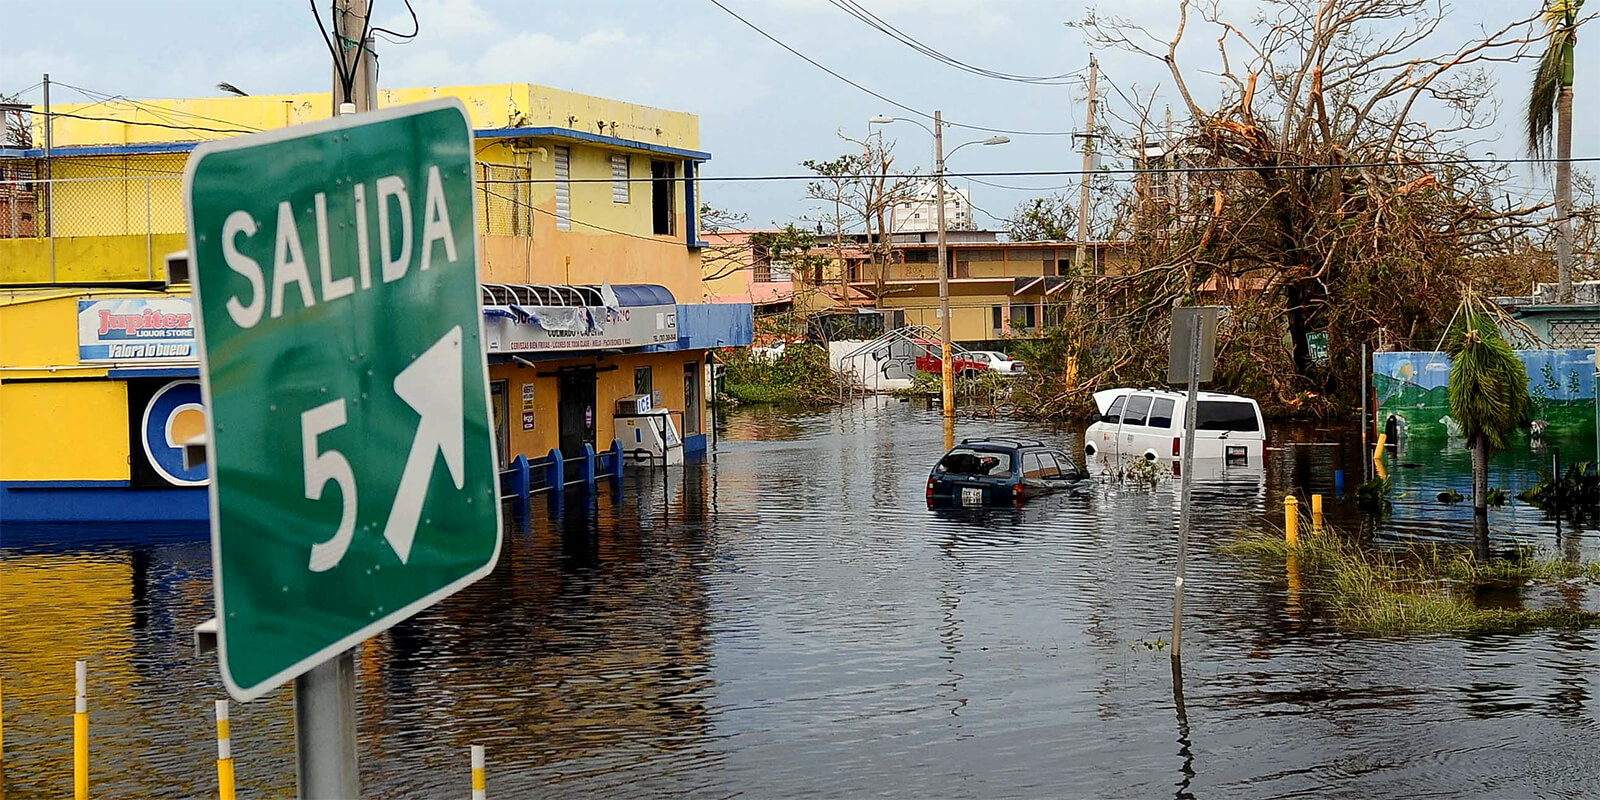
68	207
151	206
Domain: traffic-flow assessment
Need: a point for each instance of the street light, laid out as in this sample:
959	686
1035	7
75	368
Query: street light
945	370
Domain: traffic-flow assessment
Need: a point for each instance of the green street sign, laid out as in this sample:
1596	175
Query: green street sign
354	479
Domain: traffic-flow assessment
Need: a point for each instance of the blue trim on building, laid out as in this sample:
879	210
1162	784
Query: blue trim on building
572	134
576	135
691	207
695	445
62	536
153	372
87	150
98	501
704	326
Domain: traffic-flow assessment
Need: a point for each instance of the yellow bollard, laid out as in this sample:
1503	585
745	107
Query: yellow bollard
1291	520
479	792
1316	513
224	753
80	735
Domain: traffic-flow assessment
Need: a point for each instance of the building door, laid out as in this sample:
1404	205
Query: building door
502	426
691	399
577	414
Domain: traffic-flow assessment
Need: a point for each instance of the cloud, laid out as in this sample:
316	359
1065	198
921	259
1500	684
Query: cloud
462	43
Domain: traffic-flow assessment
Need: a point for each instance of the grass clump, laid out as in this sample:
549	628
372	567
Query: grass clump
1425	589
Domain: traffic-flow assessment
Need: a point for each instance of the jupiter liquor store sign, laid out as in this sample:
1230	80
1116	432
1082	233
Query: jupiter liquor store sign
136	329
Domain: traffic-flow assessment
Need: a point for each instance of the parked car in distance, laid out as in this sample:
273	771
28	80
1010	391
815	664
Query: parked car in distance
962	364
772	351
1148	424
997	361
999	470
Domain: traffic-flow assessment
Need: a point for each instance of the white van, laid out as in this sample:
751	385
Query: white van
1148	424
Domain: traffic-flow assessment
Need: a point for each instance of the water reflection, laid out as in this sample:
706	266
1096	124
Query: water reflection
788	618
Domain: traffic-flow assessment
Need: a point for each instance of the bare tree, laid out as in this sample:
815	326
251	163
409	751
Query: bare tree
863	189
1331	187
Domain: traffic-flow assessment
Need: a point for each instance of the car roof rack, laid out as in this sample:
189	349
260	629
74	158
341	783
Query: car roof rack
1005	440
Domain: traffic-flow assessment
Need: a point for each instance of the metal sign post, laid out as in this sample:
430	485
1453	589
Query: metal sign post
349	435
1194	332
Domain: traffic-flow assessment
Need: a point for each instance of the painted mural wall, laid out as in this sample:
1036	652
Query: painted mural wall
1414	386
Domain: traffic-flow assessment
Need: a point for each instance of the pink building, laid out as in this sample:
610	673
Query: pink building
737	268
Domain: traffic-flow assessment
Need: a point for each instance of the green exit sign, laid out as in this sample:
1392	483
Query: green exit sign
354	478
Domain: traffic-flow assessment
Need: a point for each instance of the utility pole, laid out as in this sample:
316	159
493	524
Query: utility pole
50	141
945	368
49	180
326	761
1088	164
353	41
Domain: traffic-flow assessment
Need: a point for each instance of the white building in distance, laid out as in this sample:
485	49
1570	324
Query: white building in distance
919	213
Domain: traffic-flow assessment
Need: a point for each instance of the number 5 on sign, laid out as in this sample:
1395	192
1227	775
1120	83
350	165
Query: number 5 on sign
320	469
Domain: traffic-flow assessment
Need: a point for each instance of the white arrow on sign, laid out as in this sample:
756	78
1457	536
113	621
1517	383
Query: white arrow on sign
432	386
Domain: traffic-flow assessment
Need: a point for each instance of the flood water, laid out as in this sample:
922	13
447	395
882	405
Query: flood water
787	618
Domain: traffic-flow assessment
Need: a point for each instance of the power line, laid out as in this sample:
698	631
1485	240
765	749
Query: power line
1062	187
897	104
1129	171
531	207
151	124
401	38
24	90
166	113
877	23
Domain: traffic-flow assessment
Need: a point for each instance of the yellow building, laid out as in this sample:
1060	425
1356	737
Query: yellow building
581	200
998	290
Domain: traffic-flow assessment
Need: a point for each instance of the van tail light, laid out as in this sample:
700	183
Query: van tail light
1016	491
930	488
1177	446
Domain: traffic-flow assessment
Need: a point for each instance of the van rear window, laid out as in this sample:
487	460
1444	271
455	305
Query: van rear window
1226	415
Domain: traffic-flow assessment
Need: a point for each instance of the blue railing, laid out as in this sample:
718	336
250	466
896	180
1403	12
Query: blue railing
528	477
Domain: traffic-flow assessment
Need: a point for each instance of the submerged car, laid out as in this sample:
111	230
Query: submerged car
996	470
1148	424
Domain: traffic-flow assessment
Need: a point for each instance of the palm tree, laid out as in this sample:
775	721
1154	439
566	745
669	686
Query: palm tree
1550	110
1488	394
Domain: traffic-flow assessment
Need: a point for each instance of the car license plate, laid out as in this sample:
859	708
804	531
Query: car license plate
971	496
1237	456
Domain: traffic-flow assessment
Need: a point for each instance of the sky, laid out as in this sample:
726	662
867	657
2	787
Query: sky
762	110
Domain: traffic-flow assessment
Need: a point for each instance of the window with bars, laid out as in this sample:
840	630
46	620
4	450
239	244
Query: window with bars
563	188
619	178
1575	334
